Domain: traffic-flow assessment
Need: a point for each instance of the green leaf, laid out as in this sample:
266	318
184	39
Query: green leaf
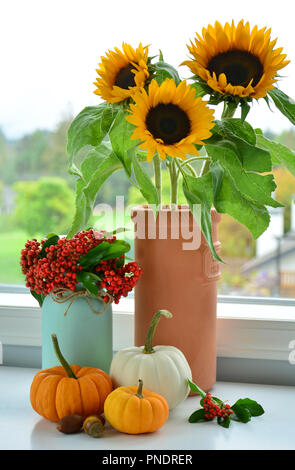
144	182
229	108
49	235
141	155
108	165
199	195
95	255
198	416
96	169
163	71
95	276
194	388
280	154
88	282
217	176
199	89
257	188
86	129
108	117
243	141
217	401
104	251
231	201
50	241
120	138
39	297
224	422
245	108
242	413
284	103
254	408
232	126
81	216
117	249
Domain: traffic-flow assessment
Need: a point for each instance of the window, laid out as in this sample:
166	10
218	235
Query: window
37	197
37	193
58	84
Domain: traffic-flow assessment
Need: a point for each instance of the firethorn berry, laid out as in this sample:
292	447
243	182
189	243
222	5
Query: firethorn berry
60	265
213	410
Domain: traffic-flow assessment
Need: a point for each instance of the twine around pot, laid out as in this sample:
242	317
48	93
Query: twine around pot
62	295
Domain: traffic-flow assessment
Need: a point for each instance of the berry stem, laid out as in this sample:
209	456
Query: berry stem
61	358
148	346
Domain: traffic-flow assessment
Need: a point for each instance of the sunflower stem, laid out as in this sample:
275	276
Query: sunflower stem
187	163
205	167
229	109
158	177
174	182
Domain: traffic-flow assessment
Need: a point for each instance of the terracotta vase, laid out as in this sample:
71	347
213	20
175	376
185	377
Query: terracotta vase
180	275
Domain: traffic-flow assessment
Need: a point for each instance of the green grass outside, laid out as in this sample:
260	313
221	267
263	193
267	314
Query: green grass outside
11	244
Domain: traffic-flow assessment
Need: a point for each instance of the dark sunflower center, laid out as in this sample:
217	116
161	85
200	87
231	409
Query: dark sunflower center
239	67
125	77
168	122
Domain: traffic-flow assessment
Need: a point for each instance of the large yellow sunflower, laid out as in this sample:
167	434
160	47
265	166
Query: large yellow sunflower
121	74
236	61
169	119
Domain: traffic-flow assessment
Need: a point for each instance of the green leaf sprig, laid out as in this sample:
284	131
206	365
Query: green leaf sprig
242	410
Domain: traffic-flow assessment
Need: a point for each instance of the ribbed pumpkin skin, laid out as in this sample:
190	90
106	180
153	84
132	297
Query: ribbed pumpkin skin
55	395
165	371
133	415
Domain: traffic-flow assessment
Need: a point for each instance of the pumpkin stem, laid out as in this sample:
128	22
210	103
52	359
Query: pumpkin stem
148	347
139	390
61	359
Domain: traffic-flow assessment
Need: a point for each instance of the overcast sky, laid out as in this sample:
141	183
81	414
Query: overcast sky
50	49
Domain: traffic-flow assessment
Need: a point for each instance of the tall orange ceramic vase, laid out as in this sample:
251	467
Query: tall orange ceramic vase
180	275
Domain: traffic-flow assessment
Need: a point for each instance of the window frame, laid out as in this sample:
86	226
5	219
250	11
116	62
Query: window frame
247	328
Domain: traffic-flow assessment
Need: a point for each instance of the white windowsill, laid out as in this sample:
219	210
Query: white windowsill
22	428
253	331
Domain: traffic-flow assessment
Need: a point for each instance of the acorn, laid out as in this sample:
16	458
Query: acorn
94	425
70	424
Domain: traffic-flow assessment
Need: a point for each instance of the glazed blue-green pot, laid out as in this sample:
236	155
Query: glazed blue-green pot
85	337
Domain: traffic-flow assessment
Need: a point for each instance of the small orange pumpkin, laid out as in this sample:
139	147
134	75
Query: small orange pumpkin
64	390
133	410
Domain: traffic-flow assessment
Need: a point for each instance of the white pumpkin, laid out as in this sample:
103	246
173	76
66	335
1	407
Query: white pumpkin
163	369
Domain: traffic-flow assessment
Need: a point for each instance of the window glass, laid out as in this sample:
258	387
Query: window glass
37	197
50	68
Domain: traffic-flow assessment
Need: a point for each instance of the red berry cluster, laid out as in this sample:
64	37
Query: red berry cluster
213	410
121	281
59	266
30	256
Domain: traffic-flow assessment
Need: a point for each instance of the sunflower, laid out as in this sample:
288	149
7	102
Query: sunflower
235	60
169	119
121	74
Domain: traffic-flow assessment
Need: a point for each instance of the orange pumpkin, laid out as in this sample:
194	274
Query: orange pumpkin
64	390
135	410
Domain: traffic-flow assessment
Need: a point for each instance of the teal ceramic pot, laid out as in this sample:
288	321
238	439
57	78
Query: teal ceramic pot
85	338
